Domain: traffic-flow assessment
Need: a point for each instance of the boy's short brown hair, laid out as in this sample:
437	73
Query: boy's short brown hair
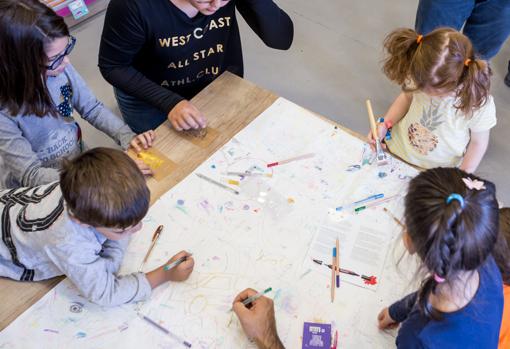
104	188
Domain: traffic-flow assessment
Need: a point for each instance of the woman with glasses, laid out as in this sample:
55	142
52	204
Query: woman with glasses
158	54
39	90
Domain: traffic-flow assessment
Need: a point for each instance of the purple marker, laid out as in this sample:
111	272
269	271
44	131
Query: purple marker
161	328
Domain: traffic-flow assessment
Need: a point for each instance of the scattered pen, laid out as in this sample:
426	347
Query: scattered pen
375	203
337	266
333	274
161	328
356	203
344	271
335	342
286	161
221	185
155	238
394	218
371	280
248	174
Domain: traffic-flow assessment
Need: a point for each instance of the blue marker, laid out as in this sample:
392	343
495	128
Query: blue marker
337	274
370	198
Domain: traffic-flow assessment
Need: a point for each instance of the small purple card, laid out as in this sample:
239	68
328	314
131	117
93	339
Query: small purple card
316	336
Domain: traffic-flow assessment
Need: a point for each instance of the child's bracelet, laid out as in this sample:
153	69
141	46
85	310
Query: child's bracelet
388	124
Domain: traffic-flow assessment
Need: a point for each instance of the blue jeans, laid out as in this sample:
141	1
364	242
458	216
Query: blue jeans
140	116
486	22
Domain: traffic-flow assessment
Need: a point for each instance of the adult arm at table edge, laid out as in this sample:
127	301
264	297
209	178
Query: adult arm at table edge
117	53
272	25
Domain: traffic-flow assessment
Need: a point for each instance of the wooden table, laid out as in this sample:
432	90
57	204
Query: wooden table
229	103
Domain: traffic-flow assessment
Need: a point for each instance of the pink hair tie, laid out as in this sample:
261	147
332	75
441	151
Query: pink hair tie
438	279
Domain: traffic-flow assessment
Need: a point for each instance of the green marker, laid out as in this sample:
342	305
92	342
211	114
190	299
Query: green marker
359	209
257	296
253	298
175	263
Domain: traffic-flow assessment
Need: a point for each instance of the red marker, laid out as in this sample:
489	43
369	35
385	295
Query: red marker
369	280
335	342
282	162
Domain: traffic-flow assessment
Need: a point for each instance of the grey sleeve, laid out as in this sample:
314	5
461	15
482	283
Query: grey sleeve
90	273
18	157
113	253
95	113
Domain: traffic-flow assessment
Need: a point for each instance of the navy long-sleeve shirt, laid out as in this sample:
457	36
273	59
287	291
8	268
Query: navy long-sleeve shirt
476	325
153	51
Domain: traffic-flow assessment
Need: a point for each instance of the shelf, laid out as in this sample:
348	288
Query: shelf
61	8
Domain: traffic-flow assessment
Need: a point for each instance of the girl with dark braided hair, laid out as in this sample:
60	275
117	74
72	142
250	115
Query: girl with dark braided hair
451	220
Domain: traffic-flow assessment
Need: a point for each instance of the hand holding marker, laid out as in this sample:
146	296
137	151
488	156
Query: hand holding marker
253	298
176	263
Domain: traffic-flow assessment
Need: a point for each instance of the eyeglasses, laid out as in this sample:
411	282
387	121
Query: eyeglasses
60	58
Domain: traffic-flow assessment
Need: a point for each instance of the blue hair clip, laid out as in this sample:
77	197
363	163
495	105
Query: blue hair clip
455	196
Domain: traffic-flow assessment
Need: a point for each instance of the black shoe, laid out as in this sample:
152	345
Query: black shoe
507	77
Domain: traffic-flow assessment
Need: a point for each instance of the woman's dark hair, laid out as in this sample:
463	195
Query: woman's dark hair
449	238
26	26
442	60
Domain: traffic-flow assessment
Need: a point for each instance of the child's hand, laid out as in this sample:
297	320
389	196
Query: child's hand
385	320
381	133
143	167
183	270
143	140
185	116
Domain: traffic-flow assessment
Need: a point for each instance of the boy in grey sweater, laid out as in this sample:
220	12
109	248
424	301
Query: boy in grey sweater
81	229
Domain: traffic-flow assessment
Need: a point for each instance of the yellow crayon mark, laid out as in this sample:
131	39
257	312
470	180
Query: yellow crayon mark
150	160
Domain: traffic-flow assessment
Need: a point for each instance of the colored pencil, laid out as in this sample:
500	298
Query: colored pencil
333	274
248	174
337	250
394	218
155	238
359	202
221	185
344	271
166	331
335	342
175	263
286	161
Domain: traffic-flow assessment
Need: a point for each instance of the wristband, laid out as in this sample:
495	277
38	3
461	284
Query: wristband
388	124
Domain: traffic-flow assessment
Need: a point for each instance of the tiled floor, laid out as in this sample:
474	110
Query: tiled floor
332	67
